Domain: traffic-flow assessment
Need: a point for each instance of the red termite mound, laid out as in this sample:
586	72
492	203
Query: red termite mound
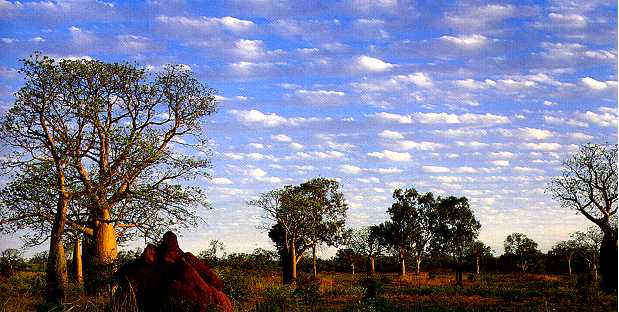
165	277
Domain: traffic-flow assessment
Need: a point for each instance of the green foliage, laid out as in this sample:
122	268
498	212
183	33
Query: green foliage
307	288
279	298
10	262
237	283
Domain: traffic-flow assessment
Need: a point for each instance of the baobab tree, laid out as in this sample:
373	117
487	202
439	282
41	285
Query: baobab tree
588	184
126	136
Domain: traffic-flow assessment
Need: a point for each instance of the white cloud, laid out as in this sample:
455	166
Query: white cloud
207	24
319	97
502	155
391	135
500	163
257	118
579	136
593	84
467	42
475	84
256	145
567	20
388	170
542	146
528	134
221	181
350	169
435	169
525	170
393	117
391	155
373	64
422	146
296	146
281	138
261	176
443	118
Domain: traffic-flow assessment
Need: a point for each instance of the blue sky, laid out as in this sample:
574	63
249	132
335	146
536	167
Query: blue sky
476	99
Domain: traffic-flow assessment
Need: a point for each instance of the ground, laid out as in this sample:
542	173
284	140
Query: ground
262	291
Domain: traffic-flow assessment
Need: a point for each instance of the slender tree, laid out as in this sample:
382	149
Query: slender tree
456	230
588	184
367	241
301	217
522	248
478	250
589	243
411	225
566	250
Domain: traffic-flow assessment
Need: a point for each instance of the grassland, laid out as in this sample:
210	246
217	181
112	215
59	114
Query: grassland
262	291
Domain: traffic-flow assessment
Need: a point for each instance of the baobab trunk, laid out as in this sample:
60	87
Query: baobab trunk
77	260
402	263
608	261
56	272
477	265
106	248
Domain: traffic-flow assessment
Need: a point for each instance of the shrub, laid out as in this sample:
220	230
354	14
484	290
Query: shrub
307	288
278	298
237	285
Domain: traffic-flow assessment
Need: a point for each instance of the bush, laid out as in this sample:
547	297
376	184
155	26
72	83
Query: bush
373	286
237	285
307	288
278	298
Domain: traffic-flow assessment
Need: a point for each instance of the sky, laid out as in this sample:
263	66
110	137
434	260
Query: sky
468	98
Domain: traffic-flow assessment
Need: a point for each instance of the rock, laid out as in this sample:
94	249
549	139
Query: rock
166	278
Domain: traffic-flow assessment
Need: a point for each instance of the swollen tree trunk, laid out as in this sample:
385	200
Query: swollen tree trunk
608	261
371	262
314	271
477	265
402	271
77	260
106	248
56	272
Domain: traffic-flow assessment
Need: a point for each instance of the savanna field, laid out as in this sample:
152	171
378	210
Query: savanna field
261	289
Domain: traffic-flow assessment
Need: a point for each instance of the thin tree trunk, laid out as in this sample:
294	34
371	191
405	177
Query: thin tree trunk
371	259
477	265
77	260
56	272
418	260
459	272
314	271
569	266
402	263
293	257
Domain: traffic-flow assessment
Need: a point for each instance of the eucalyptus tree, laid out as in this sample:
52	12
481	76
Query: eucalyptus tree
411	226
588	184
478	250
367	241
522	248
566	250
589	243
301	217
456	230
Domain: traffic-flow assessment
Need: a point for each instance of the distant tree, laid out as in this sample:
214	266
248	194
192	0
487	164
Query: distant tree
301	217
456	230
11	260
589	243
588	184
367	241
566	250
478	250
411	225
211	253
522	248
